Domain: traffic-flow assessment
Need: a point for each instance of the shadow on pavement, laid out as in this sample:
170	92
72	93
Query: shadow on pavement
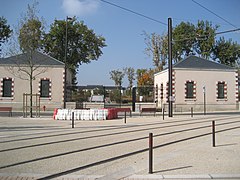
112	158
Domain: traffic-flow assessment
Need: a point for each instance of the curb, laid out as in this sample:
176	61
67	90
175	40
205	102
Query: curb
4	176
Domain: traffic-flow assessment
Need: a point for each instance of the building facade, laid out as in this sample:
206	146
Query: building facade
197	83
48	81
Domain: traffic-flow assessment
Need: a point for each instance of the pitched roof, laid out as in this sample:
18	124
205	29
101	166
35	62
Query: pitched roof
193	62
38	58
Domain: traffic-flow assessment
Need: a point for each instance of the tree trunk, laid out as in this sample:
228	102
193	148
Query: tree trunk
31	100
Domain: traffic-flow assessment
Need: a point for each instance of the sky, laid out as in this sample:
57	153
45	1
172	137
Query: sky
123	30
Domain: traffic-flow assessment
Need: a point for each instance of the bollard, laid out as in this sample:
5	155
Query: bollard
150	153
191	111
125	117
163	113
72	119
213	134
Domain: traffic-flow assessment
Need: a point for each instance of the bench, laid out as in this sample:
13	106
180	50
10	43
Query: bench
7	109
124	110
148	110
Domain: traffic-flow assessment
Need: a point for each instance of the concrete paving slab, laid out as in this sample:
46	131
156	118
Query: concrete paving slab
91	142
187	176
144	177
225	176
120	174
4	176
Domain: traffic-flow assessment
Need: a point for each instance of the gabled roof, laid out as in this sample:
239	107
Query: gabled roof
193	62
38	58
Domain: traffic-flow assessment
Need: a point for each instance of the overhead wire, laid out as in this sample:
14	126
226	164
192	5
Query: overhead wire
194	21
228	31
207	35
203	37
134	12
214	13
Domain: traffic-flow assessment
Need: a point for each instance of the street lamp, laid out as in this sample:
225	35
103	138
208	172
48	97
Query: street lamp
65	64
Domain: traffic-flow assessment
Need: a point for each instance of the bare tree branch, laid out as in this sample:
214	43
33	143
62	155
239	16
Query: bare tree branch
156	48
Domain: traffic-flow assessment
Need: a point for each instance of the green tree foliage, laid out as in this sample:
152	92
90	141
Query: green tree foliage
183	37
227	52
83	45
206	41
156	49
117	76
5	32
30	36
115	95
200	39
81	96
31	30
193	39
130	72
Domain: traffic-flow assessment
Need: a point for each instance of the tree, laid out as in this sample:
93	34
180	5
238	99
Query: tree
117	76
130	72
187	39
83	45
145	77
5	32
205	44
30	35
156	49
193	39
145	82
226	52
183	40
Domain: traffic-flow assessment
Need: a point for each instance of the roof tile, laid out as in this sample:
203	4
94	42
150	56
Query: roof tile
38	58
193	62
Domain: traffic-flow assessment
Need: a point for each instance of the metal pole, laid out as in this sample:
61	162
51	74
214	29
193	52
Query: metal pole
191	111
133	98
36	105
72	119
170	103
204	100
65	67
104	96
204	103
163	113
213	134
120	95
150	153
26	105
23	104
125	117
39	105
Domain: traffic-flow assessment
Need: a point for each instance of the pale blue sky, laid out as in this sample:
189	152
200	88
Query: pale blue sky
123	30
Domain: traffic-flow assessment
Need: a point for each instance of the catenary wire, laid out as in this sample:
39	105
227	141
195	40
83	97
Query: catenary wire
214	14
134	12
207	35
152	19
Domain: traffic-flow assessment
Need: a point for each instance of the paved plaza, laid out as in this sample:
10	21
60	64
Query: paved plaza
43	148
